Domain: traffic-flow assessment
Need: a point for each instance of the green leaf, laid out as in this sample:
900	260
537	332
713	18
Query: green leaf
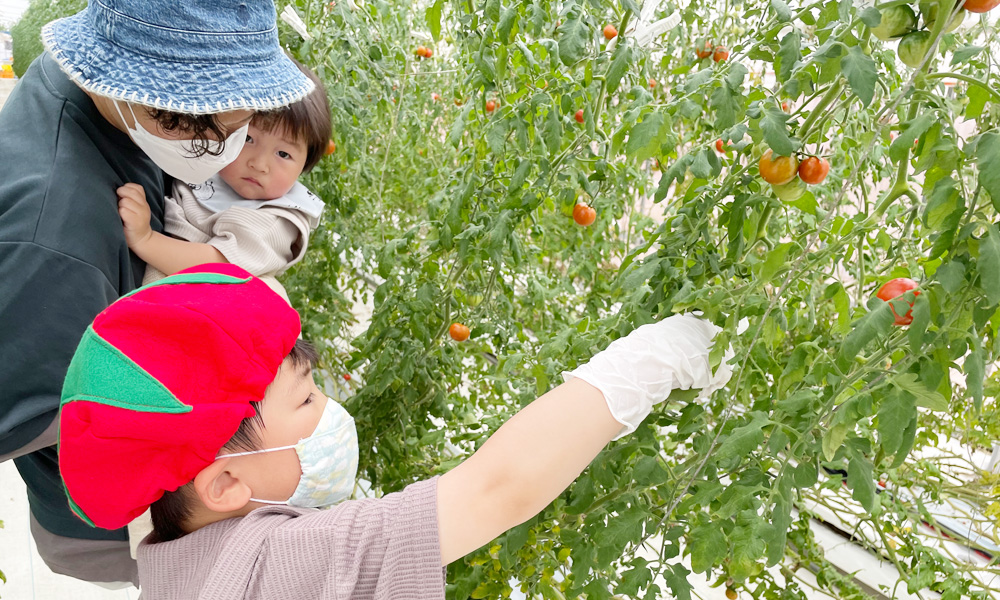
833	439
788	54
520	175
724	102
433	17
507	22
963	54
708	546
908	134
974	367
781	10
621	60
894	415
871	16
860	480
879	320
942	202
861	74
492	10
552	134
977	102
775	262
988	161
925	398
676	578
458	127
745	439
988	265
645	137
772	124
573	35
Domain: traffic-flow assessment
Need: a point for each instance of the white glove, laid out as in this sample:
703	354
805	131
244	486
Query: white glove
639	370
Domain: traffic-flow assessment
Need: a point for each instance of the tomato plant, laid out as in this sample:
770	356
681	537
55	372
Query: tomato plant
828	397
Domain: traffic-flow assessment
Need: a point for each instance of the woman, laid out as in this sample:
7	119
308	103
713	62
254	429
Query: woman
141	92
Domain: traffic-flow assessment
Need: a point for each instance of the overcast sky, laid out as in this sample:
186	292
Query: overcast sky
10	10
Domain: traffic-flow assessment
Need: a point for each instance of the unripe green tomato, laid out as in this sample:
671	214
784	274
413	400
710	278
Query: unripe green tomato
929	11
791	191
912	48
896	21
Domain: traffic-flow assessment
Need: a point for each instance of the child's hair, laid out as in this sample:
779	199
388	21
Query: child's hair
174	508
307	120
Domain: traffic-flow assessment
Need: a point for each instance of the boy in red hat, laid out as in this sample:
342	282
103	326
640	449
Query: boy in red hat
193	396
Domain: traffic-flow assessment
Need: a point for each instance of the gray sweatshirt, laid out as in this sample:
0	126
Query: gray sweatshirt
373	548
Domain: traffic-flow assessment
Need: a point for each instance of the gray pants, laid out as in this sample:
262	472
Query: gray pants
98	561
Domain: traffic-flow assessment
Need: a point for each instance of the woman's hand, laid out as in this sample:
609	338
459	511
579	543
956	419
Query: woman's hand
135	214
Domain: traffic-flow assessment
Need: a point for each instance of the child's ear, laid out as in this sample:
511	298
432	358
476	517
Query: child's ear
219	489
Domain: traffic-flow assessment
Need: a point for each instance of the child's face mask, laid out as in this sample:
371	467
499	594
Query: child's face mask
177	157
329	460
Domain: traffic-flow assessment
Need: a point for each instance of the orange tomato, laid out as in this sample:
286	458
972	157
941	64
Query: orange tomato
435	96
980	6
652	83
778	169
584	215
490	106
331	147
458	332
813	170
720	53
705	51
579	116
720	147
610	32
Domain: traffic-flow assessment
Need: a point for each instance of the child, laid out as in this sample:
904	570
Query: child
254	213
194	395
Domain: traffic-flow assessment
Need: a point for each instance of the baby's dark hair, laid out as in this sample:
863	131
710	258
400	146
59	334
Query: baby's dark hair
307	120
173	509
195	125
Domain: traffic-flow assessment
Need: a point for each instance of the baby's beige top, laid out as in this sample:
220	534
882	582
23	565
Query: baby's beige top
384	548
265	238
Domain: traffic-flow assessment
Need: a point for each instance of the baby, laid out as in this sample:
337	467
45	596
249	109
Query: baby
254	213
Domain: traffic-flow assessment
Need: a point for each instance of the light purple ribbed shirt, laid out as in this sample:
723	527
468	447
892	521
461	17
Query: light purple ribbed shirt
373	548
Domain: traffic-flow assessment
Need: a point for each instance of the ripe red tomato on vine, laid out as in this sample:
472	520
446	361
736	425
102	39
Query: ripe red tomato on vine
458	332
895	288
720	147
579	116
610	32
490	106
814	170
331	147
980	6
584	215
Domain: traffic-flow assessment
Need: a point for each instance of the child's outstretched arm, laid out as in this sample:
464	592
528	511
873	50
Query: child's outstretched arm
533	457
165	253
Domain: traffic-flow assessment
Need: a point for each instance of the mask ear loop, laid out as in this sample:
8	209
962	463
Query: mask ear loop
252	499
122	116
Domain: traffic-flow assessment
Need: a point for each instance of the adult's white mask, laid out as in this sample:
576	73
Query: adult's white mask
329	461
179	157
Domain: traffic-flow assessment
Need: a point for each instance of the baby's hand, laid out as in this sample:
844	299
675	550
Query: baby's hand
134	211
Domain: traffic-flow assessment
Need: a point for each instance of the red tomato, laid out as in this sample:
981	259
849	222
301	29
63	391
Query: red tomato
980	6
895	288
652	83
610	32
584	215
435	96
720	53
458	332
720	147
778	170
490	106
784	106
428	53
705	51
331	147
579	116
813	170
347	376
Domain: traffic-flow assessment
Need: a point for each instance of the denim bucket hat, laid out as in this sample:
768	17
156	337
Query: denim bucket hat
185	56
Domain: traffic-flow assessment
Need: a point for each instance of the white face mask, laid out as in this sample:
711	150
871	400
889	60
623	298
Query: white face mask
329	461
178	157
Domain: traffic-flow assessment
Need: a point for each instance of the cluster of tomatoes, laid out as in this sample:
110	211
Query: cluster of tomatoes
787	174
914	35
707	49
423	52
